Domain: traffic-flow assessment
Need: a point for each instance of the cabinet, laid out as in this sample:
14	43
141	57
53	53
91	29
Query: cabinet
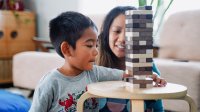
17	30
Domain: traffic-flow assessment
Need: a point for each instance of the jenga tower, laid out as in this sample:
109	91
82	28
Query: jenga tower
139	46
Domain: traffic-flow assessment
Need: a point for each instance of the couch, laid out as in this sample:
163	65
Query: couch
30	66
179	55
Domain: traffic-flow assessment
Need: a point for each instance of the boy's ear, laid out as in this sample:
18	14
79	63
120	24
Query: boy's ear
65	49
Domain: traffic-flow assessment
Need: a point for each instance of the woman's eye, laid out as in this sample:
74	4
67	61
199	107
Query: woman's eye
117	31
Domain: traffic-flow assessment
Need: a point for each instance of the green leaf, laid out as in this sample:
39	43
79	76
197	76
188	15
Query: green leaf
142	2
151	2
159	4
162	14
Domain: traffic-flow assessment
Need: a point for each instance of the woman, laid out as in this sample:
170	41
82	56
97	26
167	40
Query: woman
112	54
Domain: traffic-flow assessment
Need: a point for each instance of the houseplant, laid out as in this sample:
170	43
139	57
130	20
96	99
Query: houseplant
16	5
160	7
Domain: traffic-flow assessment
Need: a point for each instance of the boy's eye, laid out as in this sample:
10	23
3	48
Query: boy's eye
89	46
94	45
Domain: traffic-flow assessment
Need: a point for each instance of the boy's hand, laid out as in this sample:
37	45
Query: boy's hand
126	75
159	82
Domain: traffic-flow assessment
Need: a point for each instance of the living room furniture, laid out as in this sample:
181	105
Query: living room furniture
16	32
179	55
29	67
125	90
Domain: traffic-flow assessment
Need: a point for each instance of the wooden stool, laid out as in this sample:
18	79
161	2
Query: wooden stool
124	90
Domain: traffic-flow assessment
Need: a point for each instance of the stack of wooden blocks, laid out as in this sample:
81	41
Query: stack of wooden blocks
139	46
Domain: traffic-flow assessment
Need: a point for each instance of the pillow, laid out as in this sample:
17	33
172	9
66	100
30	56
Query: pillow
10	102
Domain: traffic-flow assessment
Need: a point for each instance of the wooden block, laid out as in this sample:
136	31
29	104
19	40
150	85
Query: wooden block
138	42
143	72
139	29
132	68
127	21
142	85
147	16
139	25
145	8
136	47
135	16
139	56
139	16
139	73
130	38
132	12
132	34
149	25
134	42
139	68
135	60
138	60
146	34
138	64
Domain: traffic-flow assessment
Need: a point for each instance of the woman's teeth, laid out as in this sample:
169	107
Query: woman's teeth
121	46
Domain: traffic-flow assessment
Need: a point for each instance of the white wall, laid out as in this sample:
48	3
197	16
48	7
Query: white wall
48	9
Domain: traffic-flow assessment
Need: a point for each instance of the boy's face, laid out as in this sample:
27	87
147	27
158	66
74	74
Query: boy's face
83	57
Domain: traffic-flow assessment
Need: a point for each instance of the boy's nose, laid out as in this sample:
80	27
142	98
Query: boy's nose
95	52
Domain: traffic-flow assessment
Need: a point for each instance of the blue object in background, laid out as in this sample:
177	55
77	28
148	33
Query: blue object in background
10	102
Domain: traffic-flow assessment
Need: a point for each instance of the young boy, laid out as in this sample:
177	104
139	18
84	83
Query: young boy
74	37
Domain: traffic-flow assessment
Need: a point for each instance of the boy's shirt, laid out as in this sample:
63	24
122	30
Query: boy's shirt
59	93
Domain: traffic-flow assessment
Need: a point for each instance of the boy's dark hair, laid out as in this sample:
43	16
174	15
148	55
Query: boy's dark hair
68	26
106	57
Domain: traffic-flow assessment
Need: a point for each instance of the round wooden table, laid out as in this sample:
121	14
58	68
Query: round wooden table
125	90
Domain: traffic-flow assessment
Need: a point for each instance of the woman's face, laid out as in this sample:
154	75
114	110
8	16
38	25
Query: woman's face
117	36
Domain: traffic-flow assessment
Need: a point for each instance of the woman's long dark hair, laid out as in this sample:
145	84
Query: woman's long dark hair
106	57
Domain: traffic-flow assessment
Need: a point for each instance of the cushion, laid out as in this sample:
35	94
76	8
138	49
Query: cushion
180	36
10	102
30	66
184	73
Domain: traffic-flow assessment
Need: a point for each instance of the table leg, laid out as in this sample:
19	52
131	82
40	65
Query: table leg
81	100
193	107
137	105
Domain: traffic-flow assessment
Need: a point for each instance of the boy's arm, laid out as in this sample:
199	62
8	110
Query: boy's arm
107	74
40	100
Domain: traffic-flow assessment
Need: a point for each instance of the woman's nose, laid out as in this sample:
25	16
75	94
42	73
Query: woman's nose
122	36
